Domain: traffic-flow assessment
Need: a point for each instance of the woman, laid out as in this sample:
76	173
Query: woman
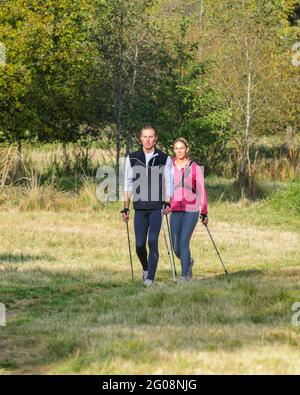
187	204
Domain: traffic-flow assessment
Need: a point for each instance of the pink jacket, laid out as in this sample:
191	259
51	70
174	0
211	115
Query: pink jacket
189	192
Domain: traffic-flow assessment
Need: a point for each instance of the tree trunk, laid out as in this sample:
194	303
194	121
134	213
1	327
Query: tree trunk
86	160
247	127
132	94
19	160
19	153
243	171
119	106
118	149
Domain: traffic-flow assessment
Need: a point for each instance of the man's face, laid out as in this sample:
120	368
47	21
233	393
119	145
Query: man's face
148	138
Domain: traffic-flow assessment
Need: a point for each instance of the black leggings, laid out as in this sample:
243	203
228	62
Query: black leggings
144	221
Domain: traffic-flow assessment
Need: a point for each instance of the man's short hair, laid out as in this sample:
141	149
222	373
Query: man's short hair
148	127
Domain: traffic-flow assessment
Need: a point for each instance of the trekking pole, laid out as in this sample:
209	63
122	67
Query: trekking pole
171	244
216	248
130	255
129	248
168	249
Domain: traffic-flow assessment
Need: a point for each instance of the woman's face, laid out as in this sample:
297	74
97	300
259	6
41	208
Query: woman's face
180	150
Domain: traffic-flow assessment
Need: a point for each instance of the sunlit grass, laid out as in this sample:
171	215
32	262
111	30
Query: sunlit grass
71	307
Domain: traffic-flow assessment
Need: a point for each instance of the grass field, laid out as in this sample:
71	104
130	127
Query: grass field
71	307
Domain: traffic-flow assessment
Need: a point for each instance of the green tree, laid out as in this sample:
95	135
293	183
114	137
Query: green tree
178	99
120	30
250	48
19	119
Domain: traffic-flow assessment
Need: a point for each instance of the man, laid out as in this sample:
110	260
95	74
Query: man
148	180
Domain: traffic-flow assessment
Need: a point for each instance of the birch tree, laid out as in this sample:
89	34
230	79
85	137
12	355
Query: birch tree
248	38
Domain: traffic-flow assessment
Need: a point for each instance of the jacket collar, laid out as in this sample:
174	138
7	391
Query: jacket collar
142	157
188	163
